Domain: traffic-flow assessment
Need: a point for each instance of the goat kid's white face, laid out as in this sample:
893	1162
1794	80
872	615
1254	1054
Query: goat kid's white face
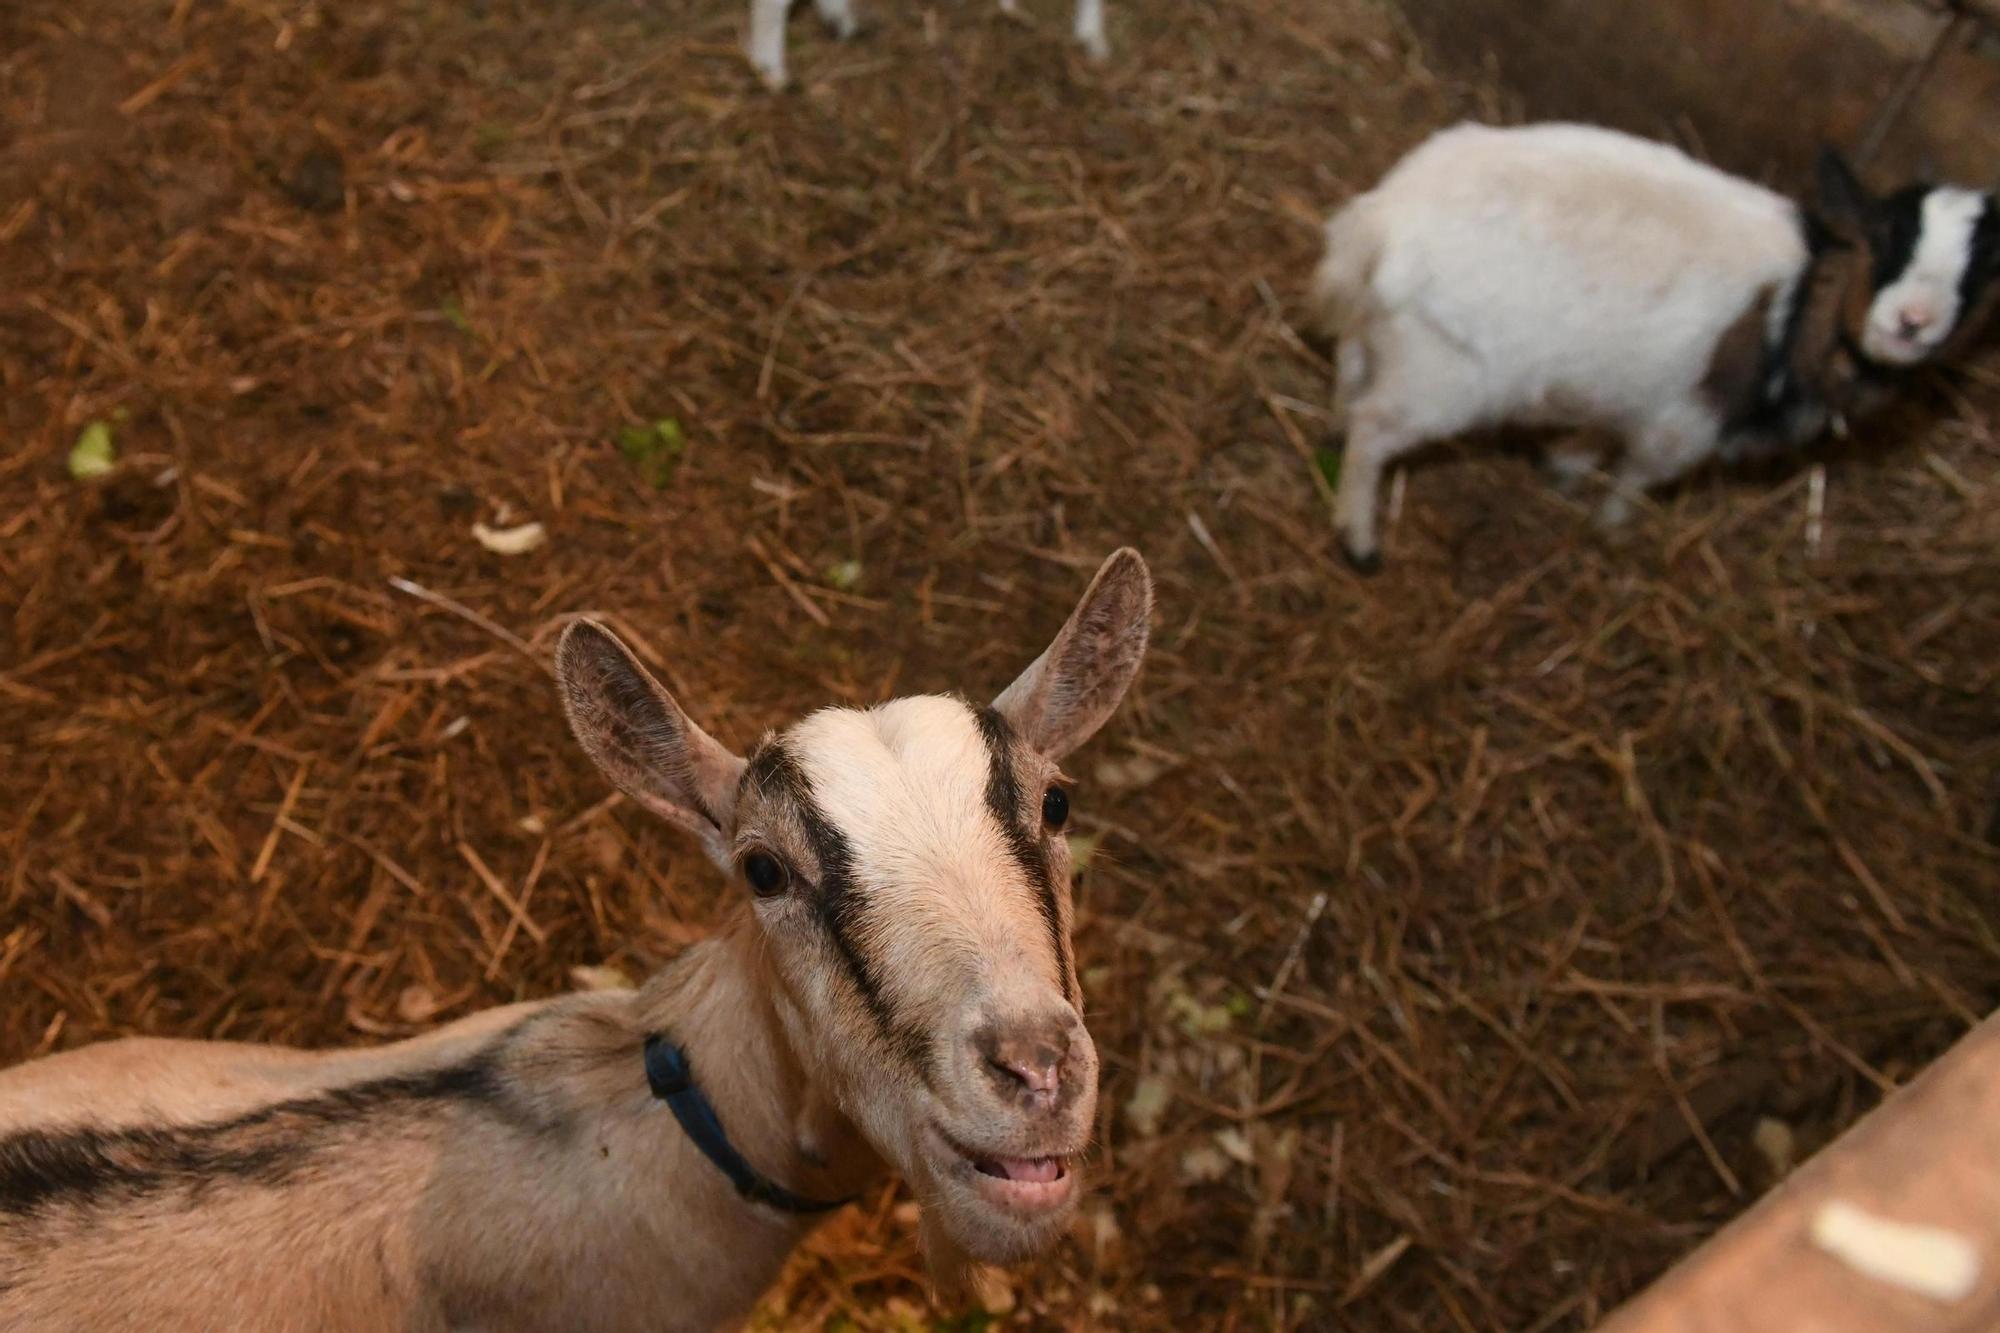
1934	259
907	866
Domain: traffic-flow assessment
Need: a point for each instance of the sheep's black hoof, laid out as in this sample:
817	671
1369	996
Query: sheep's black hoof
1365	563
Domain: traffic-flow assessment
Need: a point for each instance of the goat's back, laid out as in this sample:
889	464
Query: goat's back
161	1081
508	1172
1568	263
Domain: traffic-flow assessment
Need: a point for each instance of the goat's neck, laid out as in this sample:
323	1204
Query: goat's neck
1828	371
719	1003
670	1241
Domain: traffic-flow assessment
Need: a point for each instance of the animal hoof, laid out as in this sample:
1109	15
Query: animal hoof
1095	47
1365	563
772	76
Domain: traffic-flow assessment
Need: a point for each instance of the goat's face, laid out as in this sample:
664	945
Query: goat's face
907	867
1933	262
912	880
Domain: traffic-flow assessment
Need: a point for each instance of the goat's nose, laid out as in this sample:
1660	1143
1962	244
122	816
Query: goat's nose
1027	1061
1914	319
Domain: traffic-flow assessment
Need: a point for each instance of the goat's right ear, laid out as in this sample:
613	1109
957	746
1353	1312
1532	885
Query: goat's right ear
637	734
1844	203
1067	693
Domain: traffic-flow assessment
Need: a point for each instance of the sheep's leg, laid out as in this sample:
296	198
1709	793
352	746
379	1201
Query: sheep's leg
767	40
838	15
1371	446
1661	454
1350	378
1090	29
1568	464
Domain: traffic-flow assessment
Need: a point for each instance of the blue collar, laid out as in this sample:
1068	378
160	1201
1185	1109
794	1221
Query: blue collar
671	1077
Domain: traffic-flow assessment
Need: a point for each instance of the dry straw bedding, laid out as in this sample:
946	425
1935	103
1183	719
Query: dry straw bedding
1446	934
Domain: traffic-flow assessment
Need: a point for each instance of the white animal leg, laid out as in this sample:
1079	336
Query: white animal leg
1010	6
1568	464
767	40
1372	444
1351	375
1662	453
1090	29
838	15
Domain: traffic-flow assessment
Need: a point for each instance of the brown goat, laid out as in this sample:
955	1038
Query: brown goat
896	992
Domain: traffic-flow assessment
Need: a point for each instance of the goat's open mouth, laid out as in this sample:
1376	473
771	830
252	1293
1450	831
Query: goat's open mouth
1023	1170
1024	1184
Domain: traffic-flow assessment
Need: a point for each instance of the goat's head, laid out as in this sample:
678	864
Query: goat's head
1927	262
907	869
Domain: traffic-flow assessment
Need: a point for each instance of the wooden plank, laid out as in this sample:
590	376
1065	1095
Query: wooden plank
1928	1156
1986	10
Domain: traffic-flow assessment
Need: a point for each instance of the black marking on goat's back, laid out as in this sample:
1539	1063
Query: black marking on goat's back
101	1166
1003	798
778	775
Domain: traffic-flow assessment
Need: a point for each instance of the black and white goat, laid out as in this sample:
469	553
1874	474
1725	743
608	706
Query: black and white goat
1566	275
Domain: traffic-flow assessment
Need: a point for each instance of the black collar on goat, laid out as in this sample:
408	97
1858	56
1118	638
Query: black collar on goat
671	1078
1810	370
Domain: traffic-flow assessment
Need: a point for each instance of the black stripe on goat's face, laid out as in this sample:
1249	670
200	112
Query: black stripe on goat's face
1023	824
922	884
1893	234
775	775
1982	273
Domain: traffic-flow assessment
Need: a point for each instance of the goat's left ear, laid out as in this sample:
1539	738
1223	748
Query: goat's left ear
642	740
1844	203
1066	694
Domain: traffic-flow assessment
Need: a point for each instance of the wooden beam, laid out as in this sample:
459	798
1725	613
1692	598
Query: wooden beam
1929	1156
1986	10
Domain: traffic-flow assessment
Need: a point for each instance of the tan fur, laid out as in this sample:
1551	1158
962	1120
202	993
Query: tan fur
1837	304
513	1171
605	1219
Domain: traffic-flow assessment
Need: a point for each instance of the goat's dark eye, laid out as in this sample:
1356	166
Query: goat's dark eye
766	873
1055	807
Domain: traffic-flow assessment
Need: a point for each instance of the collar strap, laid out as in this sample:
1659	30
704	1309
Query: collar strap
671	1078
1822	243
1780	389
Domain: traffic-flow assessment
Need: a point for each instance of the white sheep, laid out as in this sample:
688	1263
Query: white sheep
767	31
1566	275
